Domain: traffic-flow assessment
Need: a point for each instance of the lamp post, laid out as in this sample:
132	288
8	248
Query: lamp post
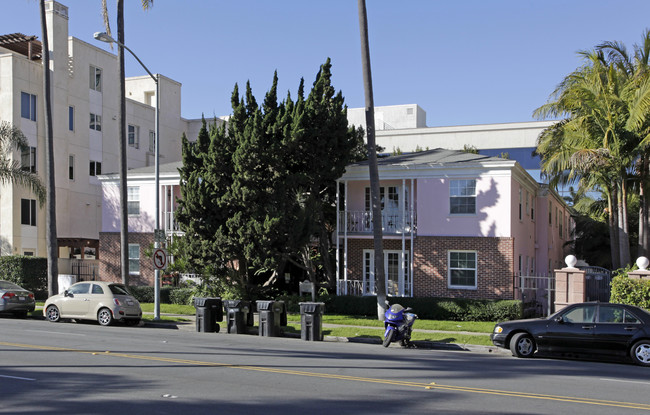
104	37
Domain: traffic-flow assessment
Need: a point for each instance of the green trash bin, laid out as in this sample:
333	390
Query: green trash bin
311	321
208	312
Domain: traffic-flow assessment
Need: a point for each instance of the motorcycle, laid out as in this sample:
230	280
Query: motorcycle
398	322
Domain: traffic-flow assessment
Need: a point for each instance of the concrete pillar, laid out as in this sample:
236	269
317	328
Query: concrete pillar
569	285
642	273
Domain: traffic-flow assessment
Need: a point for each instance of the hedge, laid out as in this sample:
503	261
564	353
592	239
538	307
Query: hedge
168	295
454	309
27	271
630	291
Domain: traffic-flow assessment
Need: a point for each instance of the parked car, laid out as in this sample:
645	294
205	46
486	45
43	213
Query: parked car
15	299
104	302
584	328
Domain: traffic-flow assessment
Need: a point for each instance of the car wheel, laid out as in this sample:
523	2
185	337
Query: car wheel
522	345
640	353
105	317
52	314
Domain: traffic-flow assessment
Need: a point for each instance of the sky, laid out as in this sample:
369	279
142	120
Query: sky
463	61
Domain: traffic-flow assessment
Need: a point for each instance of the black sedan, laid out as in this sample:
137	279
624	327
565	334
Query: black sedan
585	328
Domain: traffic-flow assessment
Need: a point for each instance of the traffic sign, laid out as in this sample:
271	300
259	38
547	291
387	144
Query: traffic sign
160	258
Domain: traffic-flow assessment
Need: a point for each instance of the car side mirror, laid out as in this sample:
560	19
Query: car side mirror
559	319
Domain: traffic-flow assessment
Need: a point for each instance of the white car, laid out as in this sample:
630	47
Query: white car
94	300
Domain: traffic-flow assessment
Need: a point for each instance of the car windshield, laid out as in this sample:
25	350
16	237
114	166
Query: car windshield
119	289
6	285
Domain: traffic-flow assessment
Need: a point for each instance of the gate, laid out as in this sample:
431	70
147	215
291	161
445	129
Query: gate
537	294
85	270
597	283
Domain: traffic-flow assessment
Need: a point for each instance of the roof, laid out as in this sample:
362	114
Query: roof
22	44
438	156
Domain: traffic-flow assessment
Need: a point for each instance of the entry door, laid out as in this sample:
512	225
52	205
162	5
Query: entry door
397	276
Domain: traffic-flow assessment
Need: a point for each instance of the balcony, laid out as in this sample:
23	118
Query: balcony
170	224
360	222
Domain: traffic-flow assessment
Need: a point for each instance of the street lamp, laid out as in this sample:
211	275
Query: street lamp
104	37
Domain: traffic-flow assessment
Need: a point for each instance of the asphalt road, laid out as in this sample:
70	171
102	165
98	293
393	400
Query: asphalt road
69	368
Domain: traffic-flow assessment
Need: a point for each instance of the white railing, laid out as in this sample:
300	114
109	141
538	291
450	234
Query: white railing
392	222
361	287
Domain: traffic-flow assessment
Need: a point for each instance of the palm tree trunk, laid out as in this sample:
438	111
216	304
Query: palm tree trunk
623	240
642	246
380	279
124	213
612	222
50	218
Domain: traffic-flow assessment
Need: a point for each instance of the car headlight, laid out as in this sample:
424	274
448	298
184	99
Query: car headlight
498	329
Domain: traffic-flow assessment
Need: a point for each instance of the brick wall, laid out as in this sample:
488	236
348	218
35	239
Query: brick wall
109	262
494	255
495	265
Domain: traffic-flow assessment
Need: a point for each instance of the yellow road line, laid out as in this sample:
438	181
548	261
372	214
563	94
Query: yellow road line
513	394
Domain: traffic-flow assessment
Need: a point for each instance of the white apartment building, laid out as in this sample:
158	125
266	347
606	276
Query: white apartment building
85	103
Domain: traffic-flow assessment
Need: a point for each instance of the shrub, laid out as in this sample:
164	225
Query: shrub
630	291
455	309
26	271
182	296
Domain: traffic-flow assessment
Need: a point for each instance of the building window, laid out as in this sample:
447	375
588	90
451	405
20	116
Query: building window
71	167
134	136
550	214
95	122
527	202
28	159
397	273
95	78
134	259
462	269
71	118
520	264
95	168
520	203
28	212
28	106
462	196
133	200
152	141
532	207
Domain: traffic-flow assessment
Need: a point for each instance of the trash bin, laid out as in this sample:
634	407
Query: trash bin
311	321
208	312
272	315
239	315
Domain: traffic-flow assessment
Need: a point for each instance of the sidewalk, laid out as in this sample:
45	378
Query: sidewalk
190	325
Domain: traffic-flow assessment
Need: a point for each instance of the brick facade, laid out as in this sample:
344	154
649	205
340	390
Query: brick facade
495	264
109	262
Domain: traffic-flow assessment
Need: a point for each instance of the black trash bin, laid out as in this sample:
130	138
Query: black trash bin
239	315
272	316
311	321
208	312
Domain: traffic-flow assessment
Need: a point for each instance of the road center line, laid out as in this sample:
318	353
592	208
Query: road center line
424	386
15	377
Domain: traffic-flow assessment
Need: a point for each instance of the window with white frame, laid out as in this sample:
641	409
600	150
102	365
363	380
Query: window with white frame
95	122
152	141
28	106
462	269
550	213
28	212
71	166
95	78
462	196
133	200
134	259
134	136
95	168
520	197
28	159
527	202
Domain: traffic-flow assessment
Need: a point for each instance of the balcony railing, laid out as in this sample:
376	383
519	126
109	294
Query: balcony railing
170	225
392	222
361	288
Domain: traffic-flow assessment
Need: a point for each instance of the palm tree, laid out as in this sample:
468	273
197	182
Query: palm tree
11	138
380	279
591	143
50	217
637	96
124	214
